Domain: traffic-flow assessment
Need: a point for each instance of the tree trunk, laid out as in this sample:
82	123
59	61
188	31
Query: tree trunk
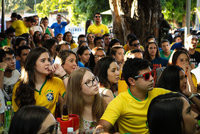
144	22
184	21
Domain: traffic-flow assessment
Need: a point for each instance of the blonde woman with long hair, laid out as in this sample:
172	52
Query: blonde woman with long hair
83	98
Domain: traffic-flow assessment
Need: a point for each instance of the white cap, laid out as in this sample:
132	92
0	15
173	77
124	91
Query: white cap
70	129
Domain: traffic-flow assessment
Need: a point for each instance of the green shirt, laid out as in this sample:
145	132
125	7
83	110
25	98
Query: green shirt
163	55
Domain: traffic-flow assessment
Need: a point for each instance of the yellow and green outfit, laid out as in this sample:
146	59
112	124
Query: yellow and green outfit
47	31
129	112
98	29
47	96
20	27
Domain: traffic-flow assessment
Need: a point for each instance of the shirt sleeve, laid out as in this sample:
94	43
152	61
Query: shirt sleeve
14	24
62	89
106	29
113	111
64	23
89	30
52	26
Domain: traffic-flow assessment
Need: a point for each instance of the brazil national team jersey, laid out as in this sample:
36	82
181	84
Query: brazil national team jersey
48	94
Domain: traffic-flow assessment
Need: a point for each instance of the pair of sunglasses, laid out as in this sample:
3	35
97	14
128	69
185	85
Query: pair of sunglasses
145	76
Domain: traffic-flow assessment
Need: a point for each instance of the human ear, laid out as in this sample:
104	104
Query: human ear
131	81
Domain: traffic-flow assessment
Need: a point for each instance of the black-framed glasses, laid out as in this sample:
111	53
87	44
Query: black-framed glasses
135	45
90	83
146	76
97	16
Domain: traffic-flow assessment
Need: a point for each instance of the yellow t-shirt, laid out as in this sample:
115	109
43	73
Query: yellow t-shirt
126	48
130	113
47	96
20	27
73	45
98	29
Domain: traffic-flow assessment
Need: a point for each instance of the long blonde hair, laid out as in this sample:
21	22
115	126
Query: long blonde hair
74	99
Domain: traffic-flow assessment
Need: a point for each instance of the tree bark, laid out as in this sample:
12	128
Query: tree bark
145	21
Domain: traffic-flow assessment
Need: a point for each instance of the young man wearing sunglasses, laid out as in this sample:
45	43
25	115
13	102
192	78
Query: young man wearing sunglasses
97	28
134	44
129	109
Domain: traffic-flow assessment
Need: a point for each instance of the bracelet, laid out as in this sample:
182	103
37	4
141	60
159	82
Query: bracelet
193	95
65	76
2	69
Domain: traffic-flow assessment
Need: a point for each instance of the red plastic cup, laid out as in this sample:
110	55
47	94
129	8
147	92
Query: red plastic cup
65	124
75	119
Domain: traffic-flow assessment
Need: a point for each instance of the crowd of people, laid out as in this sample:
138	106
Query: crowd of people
113	87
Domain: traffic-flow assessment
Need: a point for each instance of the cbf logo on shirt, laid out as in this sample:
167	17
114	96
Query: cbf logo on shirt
49	95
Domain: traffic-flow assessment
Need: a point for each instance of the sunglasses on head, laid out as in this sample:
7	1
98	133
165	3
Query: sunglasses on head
145	76
135	45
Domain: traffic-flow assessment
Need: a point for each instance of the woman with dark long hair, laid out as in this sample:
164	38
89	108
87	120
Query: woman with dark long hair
171	114
33	120
69	38
107	70
37	86
44	24
152	54
181	58
37	39
83	54
174	78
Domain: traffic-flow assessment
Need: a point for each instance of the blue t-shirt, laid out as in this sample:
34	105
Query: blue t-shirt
80	64
59	28
177	45
158	62
18	66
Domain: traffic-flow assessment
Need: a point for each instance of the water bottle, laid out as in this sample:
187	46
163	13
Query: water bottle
8	115
70	130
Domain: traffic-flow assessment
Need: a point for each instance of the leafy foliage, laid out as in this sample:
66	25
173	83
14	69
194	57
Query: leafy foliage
19	6
176	9
85	9
47	6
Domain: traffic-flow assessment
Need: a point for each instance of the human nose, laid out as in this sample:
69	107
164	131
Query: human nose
195	115
74	63
151	77
48	62
12	60
117	72
95	82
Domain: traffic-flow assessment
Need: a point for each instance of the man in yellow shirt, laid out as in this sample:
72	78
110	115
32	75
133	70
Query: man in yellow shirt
22	26
129	109
132	43
97	28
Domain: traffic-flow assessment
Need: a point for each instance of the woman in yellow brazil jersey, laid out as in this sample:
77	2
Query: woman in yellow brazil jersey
37	86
